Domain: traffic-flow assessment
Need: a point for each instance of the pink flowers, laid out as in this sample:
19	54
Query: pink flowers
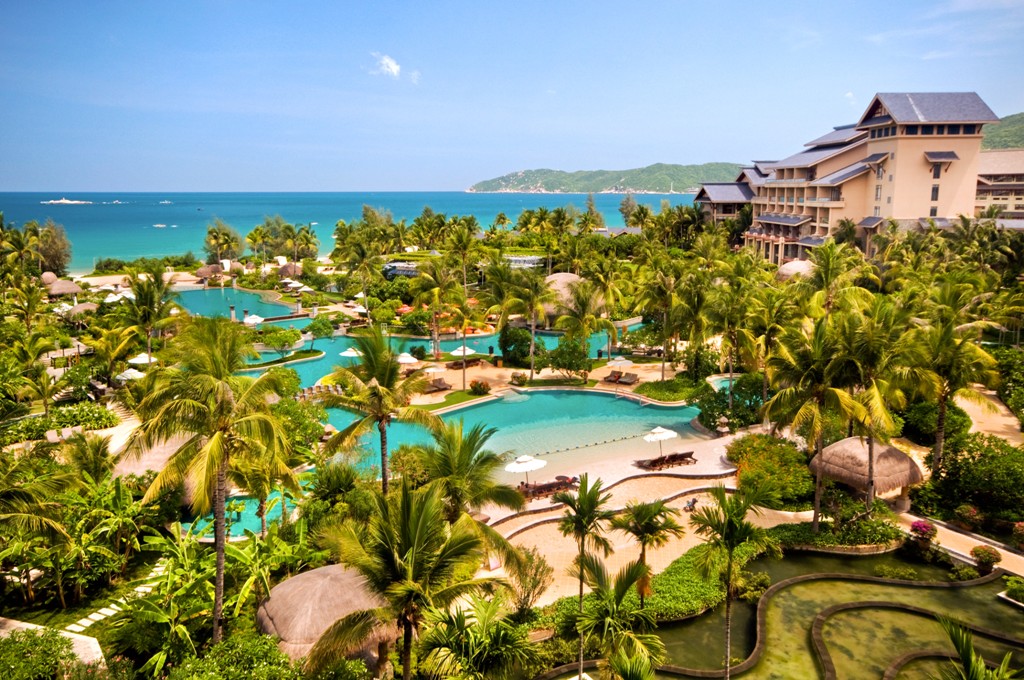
923	530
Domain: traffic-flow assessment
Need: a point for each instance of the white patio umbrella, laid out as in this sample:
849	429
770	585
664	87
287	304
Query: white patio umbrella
525	464
130	374
107	288
286	281
359	309
351	353
306	289
295	284
112	298
406	358
128	295
142	359
359	295
252	320
435	369
660	434
462	352
620	362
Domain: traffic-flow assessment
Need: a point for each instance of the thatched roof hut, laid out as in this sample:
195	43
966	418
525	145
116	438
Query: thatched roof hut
560	283
289	270
64	287
301	608
208	270
846	461
82	308
48	278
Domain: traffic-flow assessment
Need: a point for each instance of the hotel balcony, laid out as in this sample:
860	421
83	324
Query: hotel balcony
788	182
826	202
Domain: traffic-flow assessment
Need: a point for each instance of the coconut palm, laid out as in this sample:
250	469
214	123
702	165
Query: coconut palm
27	350
258	239
611	278
39	384
477	643
727	314
459	465
260	475
956	363
377	392
27	302
658	294
653	525
89	454
410	556
150	307
533	293
968	663
832	282
625	667
218	416
110	347
771	311
305	242
26	494
622	629
585	519
725	526
585	313
499	291
465	247
805	372
437	287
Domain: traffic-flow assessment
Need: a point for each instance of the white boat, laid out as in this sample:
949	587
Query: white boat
166	203
159	226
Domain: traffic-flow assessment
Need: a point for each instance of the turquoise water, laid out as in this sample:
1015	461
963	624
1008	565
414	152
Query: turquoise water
721	383
217	301
122	224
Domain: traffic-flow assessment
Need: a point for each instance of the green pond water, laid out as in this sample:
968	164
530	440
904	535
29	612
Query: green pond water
862	642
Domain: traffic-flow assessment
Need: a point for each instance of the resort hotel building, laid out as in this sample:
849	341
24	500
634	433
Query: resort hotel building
911	157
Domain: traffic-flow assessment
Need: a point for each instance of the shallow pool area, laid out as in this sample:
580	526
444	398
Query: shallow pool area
217	301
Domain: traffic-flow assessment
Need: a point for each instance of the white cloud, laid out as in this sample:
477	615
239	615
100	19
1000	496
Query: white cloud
386	66
850	99
414	76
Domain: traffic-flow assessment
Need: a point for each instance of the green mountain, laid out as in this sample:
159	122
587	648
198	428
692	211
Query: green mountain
1008	133
659	178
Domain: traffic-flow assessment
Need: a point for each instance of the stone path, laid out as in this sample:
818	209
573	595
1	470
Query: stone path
114	607
994	418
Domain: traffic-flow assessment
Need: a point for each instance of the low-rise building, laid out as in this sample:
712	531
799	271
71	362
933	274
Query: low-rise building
1001	183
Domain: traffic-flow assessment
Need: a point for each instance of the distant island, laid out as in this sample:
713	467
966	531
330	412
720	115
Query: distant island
660	178
1008	133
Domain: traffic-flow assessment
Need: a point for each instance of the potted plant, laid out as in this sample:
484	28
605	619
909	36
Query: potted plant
1018	535
986	558
967	517
923	533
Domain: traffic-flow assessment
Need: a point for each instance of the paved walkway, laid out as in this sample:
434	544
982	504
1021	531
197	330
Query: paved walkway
961	544
992	417
105	612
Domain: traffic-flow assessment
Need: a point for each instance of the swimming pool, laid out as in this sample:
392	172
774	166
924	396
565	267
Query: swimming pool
217	301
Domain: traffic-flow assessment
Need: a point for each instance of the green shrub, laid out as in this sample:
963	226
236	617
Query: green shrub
1015	587
761	458
34	654
247	655
963	572
986	556
753	585
86	414
746	403
921	420
864	532
674	389
901	573
479	387
986	472
514	344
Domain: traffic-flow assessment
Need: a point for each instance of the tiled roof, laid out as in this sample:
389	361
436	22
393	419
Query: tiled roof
876	157
940	156
839	135
935	107
1010	224
726	192
810	157
786	220
940	222
877	120
812	241
842	175
870	222
1001	162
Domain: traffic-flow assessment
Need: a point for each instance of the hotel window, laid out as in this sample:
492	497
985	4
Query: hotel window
878	211
935	192
927	129
874	134
878	192
880	173
940	129
952	129
936	171
911	129
969	129
888	199
934	212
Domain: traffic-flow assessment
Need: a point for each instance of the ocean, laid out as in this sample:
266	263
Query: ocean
131	225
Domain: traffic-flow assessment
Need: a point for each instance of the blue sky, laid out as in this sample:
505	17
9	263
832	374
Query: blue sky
405	96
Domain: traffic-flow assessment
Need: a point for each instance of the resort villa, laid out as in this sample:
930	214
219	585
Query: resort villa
911	157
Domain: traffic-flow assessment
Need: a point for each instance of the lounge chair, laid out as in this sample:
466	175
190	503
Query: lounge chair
684	458
629	379
437	385
613	377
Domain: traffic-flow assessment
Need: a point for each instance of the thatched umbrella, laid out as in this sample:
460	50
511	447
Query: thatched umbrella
47	278
64	287
237	266
82	308
208	270
846	461
289	270
795	268
301	608
560	284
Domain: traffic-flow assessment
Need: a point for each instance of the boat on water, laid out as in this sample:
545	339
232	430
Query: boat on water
159	226
166	203
65	201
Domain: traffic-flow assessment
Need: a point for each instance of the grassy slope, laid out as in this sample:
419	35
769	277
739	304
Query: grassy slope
1008	133
660	177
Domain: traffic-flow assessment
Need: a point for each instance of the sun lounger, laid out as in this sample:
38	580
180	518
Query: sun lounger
437	385
684	458
53	437
613	377
629	379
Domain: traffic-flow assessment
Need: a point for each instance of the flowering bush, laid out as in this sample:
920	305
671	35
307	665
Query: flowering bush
518	379
479	387
968	515
986	556
1018	535
923	530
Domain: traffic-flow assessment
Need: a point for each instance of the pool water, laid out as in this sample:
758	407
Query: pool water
216	301
720	383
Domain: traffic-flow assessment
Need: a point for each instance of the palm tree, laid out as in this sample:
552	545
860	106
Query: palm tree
499	290
534	292
659	294
584	519
90	454
477	643
26	494
27	303
805	372
305	242
377	392
612	280
771	311
363	261
837	267
150	307
969	664
957	363
464	246
409	556
727	313
459	465
436	287
221	416
27	350
726	528
584	313
621	628
110	347
260	475
39	384
653	525
258	239
625	667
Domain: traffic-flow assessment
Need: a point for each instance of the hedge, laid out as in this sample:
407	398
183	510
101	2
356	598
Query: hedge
87	414
760	458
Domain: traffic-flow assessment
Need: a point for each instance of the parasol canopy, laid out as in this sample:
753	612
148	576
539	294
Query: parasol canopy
306	289
406	358
142	359
525	464
462	352
359	295
435	369
130	374
64	287
660	434
351	353
253	320
359	309
620	362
